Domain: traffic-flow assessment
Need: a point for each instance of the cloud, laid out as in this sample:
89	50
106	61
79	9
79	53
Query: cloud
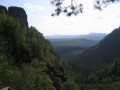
117	16
99	18
33	7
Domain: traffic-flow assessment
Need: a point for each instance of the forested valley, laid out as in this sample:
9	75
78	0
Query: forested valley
28	61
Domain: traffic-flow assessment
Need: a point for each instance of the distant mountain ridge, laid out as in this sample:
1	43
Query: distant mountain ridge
91	36
72	47
102	54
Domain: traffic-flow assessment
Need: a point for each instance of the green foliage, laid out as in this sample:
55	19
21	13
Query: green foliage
70	49
28	61
3	9
96	68
26	57
70	85
29	77
98	56
105	79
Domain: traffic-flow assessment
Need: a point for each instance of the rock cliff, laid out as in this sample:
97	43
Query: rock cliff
16	12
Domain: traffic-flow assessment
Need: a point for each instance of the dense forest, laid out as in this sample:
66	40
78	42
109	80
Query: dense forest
69	48
28	60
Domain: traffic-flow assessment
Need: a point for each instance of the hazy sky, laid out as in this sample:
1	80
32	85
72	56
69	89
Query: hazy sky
39	16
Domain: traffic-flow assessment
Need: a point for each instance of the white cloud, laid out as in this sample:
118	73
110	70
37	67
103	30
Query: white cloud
90	21
33	7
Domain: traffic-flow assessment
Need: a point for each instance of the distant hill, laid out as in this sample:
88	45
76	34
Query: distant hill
102	54
69	48
91	36
73	42
71	45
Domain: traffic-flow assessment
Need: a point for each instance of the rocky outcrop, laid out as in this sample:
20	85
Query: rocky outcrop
16	12
19	13
3	9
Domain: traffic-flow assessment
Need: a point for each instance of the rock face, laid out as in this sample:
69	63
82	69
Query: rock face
3	9
18	12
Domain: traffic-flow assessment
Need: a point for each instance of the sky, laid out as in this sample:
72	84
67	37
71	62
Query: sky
91	21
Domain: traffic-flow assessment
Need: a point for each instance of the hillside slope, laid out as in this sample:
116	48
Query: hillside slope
27	59
102	54
69	48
